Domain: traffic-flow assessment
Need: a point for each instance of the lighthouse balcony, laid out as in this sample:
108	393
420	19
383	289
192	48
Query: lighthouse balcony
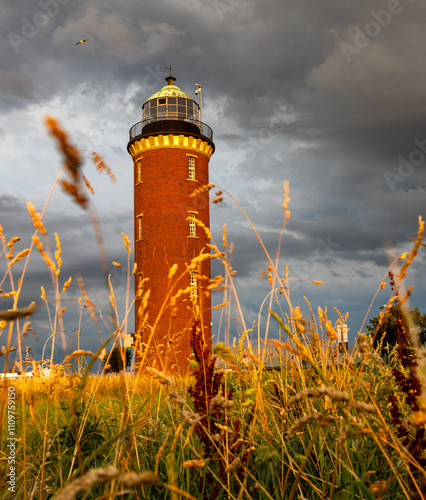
168	125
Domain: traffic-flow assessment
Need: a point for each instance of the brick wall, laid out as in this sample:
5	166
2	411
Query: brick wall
162	201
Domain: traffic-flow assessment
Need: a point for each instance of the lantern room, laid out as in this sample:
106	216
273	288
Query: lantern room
170	103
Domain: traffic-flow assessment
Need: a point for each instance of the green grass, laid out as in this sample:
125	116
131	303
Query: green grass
339	459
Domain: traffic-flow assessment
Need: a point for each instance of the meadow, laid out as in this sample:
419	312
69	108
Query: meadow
318	426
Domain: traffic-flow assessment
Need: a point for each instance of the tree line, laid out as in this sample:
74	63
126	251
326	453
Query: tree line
386	331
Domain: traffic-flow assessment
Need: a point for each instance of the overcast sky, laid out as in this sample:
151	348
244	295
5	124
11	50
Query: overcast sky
328	95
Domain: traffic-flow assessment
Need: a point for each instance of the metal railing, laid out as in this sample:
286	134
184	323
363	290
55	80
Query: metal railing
169	124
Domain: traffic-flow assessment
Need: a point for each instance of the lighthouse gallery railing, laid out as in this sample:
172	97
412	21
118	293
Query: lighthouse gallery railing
169	124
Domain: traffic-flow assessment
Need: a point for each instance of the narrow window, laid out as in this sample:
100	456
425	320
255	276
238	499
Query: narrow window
192	226
191	168
193	283
139	171
139	227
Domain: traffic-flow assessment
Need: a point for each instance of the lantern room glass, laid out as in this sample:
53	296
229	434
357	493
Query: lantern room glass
171	107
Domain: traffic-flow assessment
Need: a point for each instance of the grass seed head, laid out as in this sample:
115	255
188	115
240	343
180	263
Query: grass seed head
85	482
378	486
190	418
37	223
216	401
102	166
19	257
194	464
72	160
310	392
88	185
3	239
72	155
49	262
227	404
364	407
126	243
233	466
320	418
172	271
146	478
163	379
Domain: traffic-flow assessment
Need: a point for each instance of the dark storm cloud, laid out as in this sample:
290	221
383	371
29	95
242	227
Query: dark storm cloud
15	89
374	95
80	251
325	94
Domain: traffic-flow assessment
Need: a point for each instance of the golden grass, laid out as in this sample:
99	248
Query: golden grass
317	426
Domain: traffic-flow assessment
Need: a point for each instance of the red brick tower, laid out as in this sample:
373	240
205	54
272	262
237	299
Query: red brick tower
171	149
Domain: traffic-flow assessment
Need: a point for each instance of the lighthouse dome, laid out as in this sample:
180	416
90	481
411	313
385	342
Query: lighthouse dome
170	91
170	103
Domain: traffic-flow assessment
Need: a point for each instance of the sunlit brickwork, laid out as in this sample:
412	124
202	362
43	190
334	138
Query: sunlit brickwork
168	168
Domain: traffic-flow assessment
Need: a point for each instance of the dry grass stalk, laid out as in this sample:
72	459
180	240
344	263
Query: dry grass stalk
49	262
22	312
364	407
202	189
37	223
413	252
176	398
233	466
216	401
102	166
319	391
84	483
80	353
190	417
194	464
72	160
95	476
146	478
320	418
158	375
126	243
88	185
10	245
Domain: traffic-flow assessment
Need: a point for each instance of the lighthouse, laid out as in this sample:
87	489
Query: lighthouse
171	149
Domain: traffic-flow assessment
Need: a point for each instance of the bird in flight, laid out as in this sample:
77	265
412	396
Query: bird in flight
82	41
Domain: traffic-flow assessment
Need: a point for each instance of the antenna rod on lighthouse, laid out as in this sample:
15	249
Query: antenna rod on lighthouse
200	91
